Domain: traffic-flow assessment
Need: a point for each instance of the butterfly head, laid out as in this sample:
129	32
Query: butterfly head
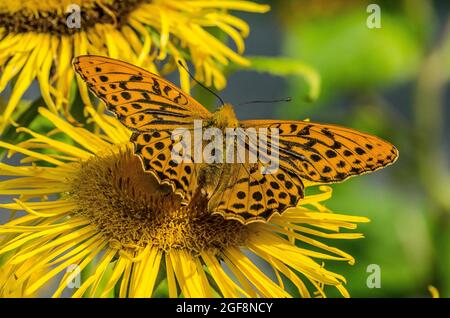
225	117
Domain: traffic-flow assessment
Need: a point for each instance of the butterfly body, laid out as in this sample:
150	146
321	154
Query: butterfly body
225	117
154	109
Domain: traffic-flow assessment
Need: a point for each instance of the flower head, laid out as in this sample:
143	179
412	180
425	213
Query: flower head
38	40
85	201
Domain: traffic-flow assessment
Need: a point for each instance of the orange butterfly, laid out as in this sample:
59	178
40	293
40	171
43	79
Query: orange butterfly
152	108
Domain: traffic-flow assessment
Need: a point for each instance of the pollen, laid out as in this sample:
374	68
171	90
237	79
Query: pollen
129	206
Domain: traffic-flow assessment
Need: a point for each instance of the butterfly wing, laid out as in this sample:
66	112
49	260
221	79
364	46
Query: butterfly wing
248	195
155	150
141	100
304	150
327	153
152	108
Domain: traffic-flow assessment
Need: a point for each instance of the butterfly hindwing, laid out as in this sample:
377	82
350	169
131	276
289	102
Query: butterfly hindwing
249	195
256	191
155	151
141	100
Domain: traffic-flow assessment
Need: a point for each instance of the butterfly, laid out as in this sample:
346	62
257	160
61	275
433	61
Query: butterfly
152	108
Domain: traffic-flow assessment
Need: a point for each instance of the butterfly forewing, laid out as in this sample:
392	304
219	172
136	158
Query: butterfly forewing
141	100
326	153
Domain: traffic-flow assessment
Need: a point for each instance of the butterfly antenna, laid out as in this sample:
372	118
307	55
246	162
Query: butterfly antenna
288	99
198	82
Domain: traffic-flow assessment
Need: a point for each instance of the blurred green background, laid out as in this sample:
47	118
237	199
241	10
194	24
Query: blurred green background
391	81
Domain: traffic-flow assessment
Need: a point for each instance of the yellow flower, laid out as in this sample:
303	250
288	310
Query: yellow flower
38	40
85	201
433	291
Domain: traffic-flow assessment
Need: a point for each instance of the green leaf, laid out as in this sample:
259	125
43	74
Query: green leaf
348	55
24	119
90	270
283	66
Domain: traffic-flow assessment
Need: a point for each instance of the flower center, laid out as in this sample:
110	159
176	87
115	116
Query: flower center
129	206
63	17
